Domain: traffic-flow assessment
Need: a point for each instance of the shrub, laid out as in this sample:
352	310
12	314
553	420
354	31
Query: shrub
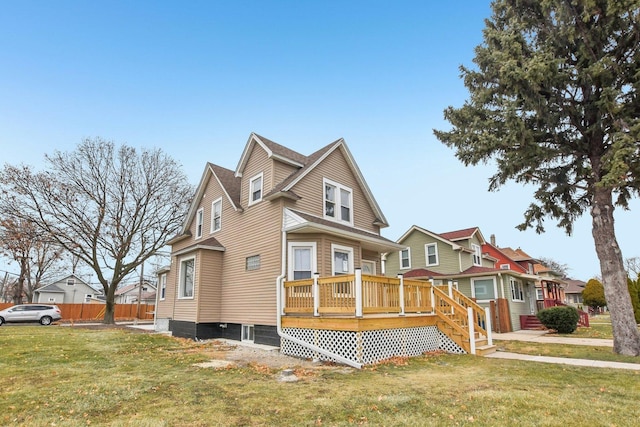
563	319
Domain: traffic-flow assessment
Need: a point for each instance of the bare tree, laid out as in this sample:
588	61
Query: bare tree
112	208
632	265
557	267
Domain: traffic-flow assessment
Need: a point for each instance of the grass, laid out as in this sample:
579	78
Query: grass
565	350
62	376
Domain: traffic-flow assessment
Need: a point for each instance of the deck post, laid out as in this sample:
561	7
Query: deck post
450	286
488	326
472	332
433	296
401	278
358	284
316	295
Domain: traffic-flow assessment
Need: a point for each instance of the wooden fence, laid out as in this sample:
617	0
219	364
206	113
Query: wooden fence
95	312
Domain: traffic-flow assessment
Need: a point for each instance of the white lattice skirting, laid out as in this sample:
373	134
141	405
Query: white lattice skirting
368	347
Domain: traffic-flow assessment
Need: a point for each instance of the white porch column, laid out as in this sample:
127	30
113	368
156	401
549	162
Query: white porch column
488	326
401	278
472	330
316	294
358	284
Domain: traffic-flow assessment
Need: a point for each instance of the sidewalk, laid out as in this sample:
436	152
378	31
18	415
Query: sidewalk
542	337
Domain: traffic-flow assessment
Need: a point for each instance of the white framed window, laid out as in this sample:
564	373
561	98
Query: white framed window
199	222
405	258
517	292
368	267
539	294
248	333
163	286
255	189
338	202
504	267
252	263
341	260
302	260
477	254
71	282
216	215
431	253
187	277
52	299
484	289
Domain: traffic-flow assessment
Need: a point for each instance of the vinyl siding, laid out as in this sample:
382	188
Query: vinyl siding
518	308
280	172
448	262
334	168
186	308
209	300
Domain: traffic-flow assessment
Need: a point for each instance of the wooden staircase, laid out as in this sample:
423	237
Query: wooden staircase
453	321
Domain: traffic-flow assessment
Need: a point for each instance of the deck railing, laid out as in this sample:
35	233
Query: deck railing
356	294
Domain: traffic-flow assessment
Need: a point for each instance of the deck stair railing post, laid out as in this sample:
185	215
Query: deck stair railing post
433	297
316	295
488	328
358	284
401	294
450	288
472	333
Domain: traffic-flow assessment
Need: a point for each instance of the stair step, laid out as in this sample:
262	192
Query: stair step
485	349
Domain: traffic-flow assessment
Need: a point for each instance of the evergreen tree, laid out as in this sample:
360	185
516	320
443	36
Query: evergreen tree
555	102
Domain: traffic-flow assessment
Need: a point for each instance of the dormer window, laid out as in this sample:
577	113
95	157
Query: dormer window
338	201
255	189
477	260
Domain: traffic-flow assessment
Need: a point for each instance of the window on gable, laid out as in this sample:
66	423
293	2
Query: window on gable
255	189
216	215
338	201
431	252
199	221
517	293
504	266
71	282
477	254
405	258
187	276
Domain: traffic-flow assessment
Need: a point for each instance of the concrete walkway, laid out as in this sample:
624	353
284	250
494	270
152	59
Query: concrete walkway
543	337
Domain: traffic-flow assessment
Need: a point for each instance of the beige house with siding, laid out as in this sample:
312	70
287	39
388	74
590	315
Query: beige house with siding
279	215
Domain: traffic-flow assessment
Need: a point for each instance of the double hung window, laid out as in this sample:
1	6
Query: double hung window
517	293
405	258
255	189
338	201
431	252
187	277
477	260
216	215
199	221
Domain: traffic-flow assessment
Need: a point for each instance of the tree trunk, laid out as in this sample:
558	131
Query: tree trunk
626	338
110	305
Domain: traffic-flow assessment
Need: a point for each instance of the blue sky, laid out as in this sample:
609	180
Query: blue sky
196	78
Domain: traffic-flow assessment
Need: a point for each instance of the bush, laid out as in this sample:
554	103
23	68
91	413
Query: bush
562	319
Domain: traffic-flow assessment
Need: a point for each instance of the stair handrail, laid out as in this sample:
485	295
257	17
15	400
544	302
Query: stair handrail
479	312
452	308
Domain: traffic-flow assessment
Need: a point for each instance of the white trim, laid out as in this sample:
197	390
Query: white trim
426	254
473	288
290	259
259	176
344	249
199	222
251	329
408	258
180	284
337	202
505	267
213	211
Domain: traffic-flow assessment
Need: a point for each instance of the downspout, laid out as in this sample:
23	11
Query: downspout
288	337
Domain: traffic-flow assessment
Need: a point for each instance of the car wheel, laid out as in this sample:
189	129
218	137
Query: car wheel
46	320
1	321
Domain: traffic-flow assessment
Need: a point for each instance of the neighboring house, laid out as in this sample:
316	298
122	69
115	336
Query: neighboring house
286	250
130	294
69	290
573	292
471	265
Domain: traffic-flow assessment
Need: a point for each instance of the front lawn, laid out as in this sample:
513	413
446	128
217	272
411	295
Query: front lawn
64	376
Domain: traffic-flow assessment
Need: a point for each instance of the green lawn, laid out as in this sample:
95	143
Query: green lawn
63	376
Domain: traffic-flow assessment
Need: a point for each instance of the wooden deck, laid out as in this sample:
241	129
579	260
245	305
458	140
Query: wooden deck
360	303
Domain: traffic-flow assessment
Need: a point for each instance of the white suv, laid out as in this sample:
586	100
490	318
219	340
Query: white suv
43	313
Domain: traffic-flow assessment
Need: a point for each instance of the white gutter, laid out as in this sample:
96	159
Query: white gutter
293	339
